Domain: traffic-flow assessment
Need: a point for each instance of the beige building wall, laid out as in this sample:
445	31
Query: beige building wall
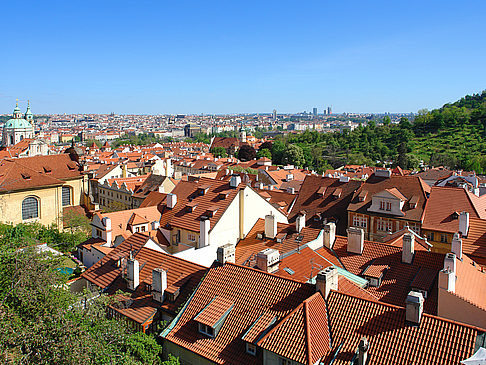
270	358
453	307
186	357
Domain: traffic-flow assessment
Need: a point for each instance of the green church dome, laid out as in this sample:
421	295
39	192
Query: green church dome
17	123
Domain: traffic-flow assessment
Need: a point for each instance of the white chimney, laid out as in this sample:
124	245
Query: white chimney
291	190
204	226
464	223
408	248
450	262
161	188
290	177
226	254
159	284
171	200
363	351
414	307
355	240
327	280
270	226
329	234
456	245
235	180
300	222
260	185
447	280
133	274
343	179
268	259
107	233
107	223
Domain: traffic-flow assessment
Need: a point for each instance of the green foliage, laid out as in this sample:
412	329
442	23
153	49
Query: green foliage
248	170
137	140
219	152
43	323
264	153
172	360
293	155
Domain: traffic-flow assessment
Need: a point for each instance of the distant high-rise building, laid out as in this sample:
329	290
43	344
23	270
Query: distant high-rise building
314	112
329	110
274	114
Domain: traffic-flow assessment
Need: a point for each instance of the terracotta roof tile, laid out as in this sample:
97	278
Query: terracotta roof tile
214	311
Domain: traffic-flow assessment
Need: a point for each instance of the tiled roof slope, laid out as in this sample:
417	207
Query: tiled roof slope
396	282
391	339
443	202
181	273
303	335
153	198
189	191
150	184
279	199
32	172
408	186
471	282
248	247
328	205
474	245
253	293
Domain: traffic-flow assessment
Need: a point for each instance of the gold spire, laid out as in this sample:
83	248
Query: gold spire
16	102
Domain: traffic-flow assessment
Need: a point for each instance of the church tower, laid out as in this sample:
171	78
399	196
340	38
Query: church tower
19	127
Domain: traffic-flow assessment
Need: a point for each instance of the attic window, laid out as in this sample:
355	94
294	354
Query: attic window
289	270
455	215
280	237
190	207
71	166
203	189
337	193
25	176
375	273
212	317
362	196
413	202
322	190
172	293
47	169
299	238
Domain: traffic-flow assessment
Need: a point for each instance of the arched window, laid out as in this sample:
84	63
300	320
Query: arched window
30	208
66	196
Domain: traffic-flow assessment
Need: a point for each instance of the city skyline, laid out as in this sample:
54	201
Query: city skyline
229	58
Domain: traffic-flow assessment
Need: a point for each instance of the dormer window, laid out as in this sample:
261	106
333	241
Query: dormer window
212	317
388	206
250	349
382	205
206	330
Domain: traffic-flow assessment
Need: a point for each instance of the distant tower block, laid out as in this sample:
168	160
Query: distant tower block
274	114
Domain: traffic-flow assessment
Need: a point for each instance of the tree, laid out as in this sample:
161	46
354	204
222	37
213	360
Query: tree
293	155
264	153
219	152
266	145
76	221
246	153
172	360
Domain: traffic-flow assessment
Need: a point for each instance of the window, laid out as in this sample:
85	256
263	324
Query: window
284	361
443	238
143	228
191	237
99	233
207	330
250	349
359	222
430	236
66	196
384	225
388	206
30	208
382	205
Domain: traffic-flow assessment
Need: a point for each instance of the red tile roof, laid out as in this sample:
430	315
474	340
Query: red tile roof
214	311
316	197
442	205
253	293
303	335
391	339
474	245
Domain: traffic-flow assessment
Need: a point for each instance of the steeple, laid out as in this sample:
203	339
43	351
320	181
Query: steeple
16	113
28	114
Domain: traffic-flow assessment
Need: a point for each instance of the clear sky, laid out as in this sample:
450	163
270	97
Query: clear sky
231	56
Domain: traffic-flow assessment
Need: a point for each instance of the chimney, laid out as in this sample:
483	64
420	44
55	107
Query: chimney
161	188
235	180
329	234
291	190
290	177
447	280
450	262
383	173
300	222
171	200
259	185
464	223
456	245
267	260
270	226
355	240
414	307
343	179
155	225
327	280
133	273
107	223
204	226
226	254
159	284
363	351
408	248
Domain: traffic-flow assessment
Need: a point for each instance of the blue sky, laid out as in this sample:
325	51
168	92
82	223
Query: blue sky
150	57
